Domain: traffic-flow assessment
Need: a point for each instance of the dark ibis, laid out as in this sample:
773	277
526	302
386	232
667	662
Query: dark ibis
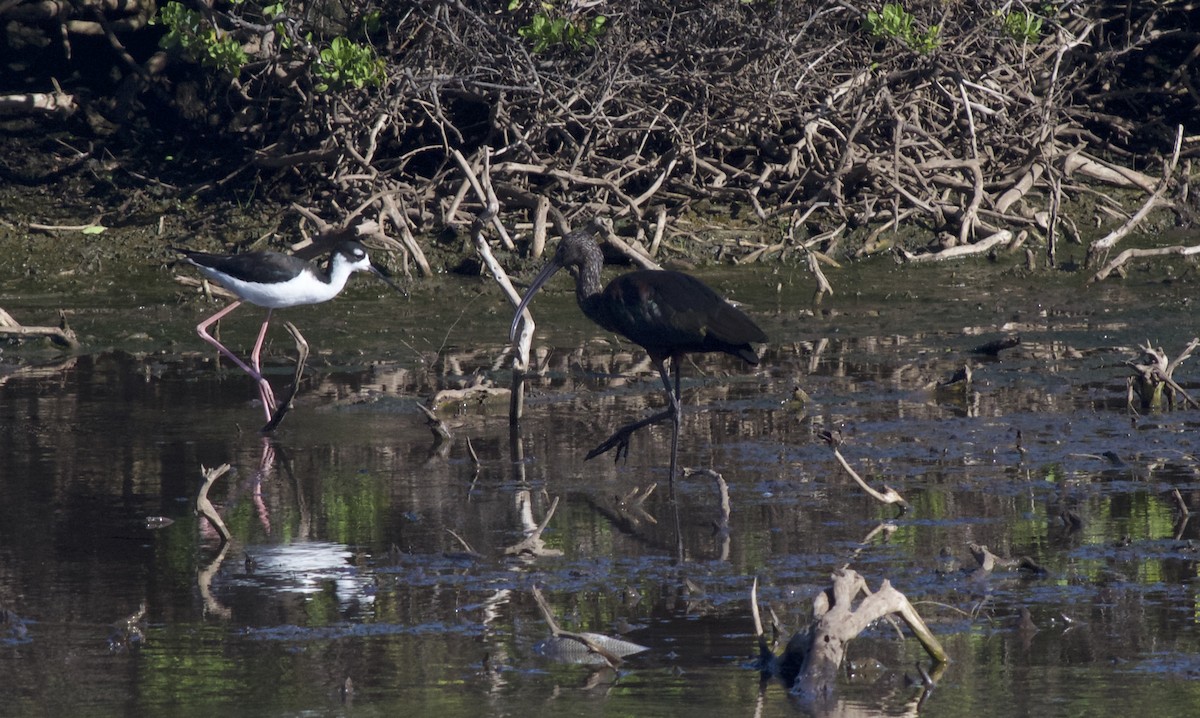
667	313
274	281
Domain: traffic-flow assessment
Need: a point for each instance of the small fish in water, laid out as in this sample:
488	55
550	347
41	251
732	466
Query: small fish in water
158	522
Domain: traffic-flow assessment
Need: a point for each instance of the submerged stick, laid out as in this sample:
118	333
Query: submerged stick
887	496
62	335
1183	508
533	544
441	433
205	508
489	214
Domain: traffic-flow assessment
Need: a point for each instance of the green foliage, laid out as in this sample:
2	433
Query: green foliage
345	64
372	22
896	23
199	39
342	65
551	27
1023	26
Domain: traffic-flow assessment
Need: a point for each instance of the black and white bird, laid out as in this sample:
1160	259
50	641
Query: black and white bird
275	281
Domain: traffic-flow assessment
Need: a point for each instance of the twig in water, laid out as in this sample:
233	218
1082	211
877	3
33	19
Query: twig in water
205	508
887	496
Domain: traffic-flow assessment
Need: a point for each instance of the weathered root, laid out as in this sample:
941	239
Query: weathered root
62	335
205	508
815	655
1153	377
804	115
888	496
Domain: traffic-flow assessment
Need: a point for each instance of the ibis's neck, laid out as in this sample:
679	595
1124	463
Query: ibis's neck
587	282
587	272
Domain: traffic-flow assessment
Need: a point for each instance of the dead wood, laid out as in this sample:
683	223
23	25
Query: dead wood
480	390
888	496
1118	264
1106	243
675	113
1183	507
721	521
1153	380
989	562
441	433
963	250
58	103
62	335
533	544
812	658
205	508
488	215
631	508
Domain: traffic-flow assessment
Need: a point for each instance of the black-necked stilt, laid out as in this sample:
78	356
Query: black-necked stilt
274	281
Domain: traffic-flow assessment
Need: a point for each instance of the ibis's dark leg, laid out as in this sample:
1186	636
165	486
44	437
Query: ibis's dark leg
620	439
674	398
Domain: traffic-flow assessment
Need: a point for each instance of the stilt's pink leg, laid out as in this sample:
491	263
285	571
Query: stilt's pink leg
262	334
264	389
202	330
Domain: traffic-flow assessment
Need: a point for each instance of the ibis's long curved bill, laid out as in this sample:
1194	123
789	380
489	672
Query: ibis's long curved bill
542	277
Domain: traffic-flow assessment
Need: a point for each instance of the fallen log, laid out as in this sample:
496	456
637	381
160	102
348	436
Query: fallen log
1118	264
811	661
963	250
62	335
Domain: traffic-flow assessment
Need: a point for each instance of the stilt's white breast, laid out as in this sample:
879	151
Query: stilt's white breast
305	288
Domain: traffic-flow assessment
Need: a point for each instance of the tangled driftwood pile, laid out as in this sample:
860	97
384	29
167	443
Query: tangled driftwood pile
974	125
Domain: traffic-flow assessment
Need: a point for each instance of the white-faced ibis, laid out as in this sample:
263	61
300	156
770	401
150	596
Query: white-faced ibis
669	314
274	281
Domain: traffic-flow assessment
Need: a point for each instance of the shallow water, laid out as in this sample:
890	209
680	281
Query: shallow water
365	551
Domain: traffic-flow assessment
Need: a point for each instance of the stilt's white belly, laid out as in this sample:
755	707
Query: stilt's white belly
303	289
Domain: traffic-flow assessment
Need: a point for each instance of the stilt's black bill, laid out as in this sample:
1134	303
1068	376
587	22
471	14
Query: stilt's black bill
381	271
